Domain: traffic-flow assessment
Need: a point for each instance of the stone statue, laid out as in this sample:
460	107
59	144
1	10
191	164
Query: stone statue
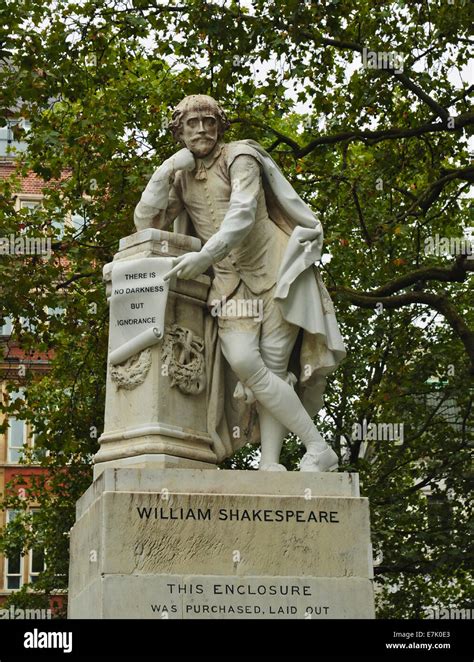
268	304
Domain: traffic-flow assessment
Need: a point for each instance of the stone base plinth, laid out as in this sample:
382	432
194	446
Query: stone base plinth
153	462
193	543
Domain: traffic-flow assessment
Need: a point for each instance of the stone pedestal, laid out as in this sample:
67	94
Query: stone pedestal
153	416
189	543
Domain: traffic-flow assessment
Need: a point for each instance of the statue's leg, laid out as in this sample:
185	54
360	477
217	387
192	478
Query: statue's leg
258	353
240	340
242	352
276	344
272	434
280	399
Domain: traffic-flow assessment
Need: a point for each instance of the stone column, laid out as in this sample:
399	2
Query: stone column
155	409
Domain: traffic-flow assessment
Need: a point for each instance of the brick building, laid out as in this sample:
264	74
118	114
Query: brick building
16	570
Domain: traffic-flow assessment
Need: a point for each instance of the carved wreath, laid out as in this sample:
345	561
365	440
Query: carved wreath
183	354
133	371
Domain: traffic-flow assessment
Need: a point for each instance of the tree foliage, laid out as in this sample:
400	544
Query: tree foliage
380	153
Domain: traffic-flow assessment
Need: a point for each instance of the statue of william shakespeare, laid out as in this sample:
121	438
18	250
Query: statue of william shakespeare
269	308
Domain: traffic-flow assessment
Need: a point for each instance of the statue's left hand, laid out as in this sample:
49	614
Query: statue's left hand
190	265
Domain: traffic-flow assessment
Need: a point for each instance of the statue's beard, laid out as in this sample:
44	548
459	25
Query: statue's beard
201	146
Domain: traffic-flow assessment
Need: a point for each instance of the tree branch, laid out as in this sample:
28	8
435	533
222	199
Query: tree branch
73	279
433	191
371	137
392	133
457	273
355	197
438	302
402	77
280	136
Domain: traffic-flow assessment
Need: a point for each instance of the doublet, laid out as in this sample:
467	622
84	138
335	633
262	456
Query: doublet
255	256
225	201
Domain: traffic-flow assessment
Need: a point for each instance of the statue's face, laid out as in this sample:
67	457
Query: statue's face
200	132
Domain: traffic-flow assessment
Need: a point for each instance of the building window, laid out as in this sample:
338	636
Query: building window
8	140
16	439
36	563
16	432
30	204
37	454
13	563
36	554
6	327
29	201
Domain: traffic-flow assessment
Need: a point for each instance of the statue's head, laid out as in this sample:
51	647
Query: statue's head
198	121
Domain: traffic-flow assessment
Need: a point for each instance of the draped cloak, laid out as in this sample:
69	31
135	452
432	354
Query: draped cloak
303	300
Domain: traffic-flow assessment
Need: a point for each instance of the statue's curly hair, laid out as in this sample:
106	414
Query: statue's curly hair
197	102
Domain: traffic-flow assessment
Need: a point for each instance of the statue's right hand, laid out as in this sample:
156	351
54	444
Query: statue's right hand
183	160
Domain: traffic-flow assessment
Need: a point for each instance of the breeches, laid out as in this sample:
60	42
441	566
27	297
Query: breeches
254	334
